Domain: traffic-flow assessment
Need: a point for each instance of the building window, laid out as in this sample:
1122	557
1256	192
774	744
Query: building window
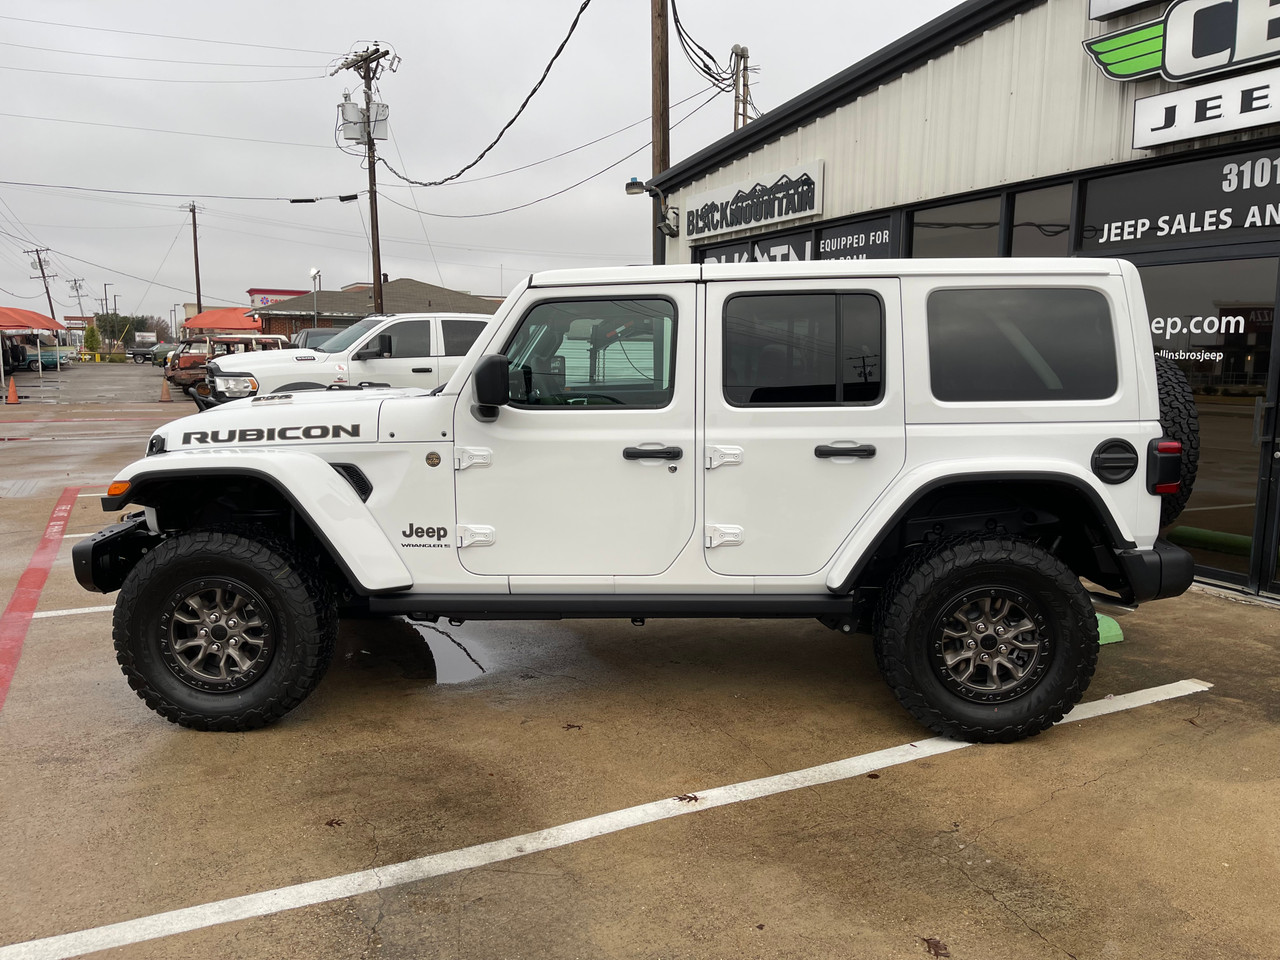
1021	345
789	349
960	230
1042	222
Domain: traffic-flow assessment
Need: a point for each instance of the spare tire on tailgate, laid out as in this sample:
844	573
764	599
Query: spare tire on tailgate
1180	421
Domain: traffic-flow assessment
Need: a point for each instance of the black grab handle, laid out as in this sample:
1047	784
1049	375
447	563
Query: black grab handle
652	453
864	451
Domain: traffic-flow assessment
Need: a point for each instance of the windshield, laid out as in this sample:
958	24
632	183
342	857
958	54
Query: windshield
347	337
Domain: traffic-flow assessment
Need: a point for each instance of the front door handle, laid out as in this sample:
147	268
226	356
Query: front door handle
863	451
421	369
652	453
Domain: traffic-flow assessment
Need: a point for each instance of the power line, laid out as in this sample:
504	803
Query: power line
536	87
176	133
163	36
193	63
572	186
197	196
105	76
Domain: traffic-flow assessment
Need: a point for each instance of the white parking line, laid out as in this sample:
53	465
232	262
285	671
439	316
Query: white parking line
45	614
469	858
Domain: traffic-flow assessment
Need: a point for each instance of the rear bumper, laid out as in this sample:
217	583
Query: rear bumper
103	560
1166	570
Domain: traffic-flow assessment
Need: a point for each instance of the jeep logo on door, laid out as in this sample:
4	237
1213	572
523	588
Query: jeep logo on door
1195	38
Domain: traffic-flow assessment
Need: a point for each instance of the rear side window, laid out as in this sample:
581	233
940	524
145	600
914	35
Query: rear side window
459	335
1022	345
803	349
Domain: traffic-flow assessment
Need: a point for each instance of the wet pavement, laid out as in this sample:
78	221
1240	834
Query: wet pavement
1149	832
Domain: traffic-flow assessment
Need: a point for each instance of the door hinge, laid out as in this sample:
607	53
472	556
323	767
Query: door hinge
722	535
464	457
722	456
475	536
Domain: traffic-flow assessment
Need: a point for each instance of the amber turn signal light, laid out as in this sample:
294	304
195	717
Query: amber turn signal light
117	488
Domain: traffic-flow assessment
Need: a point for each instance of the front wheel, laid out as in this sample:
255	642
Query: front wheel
217	631
986	640
33	365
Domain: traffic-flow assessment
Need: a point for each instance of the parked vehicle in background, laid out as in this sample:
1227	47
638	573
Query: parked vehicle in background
314	337
46	353
160	353
141	353
933	451
186	366
389	350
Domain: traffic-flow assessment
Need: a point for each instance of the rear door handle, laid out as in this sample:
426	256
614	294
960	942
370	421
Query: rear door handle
421	369
863	451
652	453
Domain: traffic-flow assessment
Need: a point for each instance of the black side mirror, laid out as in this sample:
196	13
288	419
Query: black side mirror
492	389
377	348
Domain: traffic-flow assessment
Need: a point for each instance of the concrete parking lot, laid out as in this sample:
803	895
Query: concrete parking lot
439	780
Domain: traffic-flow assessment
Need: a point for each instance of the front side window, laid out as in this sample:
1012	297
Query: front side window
410	338
1030	344
614	352
789	349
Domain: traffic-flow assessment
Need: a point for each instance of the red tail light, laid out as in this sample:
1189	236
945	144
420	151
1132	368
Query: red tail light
1169	446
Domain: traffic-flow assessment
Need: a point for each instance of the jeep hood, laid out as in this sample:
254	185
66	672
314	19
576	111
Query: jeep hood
305	418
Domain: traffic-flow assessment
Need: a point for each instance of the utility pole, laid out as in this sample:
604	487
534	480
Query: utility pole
195	247
741	90
366	66
661	117
76	291
38	253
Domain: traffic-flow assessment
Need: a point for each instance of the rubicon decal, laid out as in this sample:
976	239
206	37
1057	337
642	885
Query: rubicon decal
1194	38
315	431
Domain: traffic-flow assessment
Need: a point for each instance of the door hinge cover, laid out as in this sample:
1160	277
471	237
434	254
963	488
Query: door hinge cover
475	536
722	456
464	457
722	535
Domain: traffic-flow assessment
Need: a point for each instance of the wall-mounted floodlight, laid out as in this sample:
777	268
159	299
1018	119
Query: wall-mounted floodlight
669	221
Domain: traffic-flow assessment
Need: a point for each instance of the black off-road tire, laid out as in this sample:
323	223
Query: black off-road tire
921	648
287	630
1180	421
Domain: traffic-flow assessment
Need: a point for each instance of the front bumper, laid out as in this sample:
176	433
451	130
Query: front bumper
1166	570
103	560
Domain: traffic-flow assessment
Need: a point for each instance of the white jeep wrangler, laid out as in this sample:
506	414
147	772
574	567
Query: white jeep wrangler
389	350
938	450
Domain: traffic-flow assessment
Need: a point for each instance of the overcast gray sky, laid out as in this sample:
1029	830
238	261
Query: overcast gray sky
152	104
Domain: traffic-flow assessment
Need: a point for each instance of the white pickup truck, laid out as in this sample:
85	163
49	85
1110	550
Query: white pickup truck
388	350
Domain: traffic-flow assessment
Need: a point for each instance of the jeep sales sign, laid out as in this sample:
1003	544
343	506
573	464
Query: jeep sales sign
776	199
1193	40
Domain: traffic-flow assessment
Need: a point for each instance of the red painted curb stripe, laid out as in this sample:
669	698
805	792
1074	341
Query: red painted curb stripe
17	615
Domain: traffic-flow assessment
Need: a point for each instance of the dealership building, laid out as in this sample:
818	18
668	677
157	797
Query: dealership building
1030	128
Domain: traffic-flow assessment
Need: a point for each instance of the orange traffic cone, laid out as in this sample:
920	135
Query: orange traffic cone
13	392
164	391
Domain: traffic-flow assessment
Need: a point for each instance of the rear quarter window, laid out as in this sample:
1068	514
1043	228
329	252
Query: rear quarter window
459	335
1038	344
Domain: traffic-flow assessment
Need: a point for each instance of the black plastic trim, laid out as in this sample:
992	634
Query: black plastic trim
137	494
1118	540
102	560
507	606
1114	461
1166	570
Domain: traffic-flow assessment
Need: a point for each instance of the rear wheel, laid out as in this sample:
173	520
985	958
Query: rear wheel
987	640
33	365
218	631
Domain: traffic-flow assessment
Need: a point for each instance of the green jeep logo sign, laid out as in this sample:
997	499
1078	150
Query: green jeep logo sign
1195	38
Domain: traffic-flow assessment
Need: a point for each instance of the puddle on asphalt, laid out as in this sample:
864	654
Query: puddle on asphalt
417	651
456	660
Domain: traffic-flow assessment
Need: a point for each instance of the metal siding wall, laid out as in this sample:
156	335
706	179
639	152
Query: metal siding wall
1019	102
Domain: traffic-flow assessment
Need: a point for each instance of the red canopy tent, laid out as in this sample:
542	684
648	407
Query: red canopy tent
15	318
226	318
